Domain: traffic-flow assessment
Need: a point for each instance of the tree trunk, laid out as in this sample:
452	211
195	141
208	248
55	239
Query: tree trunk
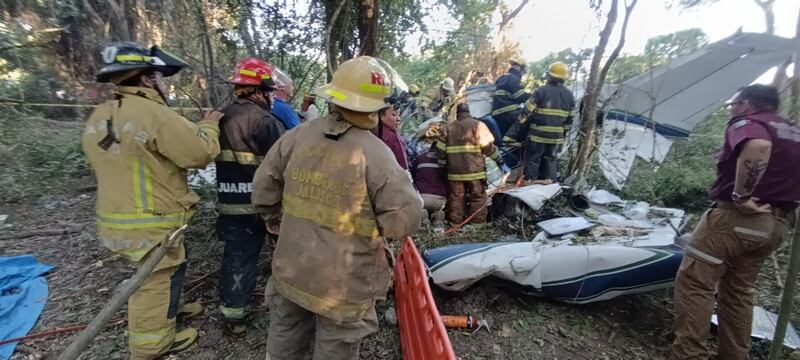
589	101
368	28
614	54
769	15
331	48
244	29
211	71
121	27
140	30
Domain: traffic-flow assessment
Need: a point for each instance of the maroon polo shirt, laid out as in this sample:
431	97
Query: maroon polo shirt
429	176
780	184
392	139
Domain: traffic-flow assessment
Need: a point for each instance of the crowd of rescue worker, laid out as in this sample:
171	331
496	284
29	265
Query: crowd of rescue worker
327	194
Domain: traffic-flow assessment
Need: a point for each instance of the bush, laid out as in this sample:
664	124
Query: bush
685	176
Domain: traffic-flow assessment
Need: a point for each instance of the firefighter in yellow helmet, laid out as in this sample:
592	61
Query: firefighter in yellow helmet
548	116
140	150
340	196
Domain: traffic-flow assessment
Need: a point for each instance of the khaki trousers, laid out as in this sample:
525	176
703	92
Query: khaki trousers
465	198
152	309
292	327
434	206
725	254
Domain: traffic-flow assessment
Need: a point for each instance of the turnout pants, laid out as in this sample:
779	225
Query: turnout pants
505	120
541	161
465	198
152	309
244	236
291	329
725	255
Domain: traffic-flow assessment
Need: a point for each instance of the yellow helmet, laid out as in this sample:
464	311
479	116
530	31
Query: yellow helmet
448	84
517	61
359	84
413	88
558	70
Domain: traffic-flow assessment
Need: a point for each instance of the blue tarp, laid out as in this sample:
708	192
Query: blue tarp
23	294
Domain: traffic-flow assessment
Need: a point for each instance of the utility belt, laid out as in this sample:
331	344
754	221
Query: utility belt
728	205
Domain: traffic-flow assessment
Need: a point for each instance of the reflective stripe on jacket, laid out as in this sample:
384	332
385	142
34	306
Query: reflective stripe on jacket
247	132
509	93
142	193
550	111
466	142
342	194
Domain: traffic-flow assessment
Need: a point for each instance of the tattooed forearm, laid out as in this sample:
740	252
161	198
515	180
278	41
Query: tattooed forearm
751	165
754	169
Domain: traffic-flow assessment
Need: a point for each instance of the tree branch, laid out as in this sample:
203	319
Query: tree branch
618	49
510	16
331	57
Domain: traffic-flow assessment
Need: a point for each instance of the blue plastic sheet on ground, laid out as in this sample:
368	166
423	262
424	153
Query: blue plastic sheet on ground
23	294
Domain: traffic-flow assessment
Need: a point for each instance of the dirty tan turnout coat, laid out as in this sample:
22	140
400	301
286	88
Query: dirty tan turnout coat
342	194
142	193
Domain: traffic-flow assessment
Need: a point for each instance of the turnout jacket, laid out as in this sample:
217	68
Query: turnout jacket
342	194
509	93
550	111
466	141
142	193
247	132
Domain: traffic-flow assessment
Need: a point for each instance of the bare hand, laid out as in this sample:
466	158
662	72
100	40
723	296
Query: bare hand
274	226
751	207
213	116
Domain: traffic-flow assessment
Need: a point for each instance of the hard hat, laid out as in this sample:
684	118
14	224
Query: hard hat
125	56
414	89
359	84
448	84
282	80
253	72
517	61
558	70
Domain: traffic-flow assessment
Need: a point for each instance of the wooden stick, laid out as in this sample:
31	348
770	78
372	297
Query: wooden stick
789	289
56	331
35	233
120	297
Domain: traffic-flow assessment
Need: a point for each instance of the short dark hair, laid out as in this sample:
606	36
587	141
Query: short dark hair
762	97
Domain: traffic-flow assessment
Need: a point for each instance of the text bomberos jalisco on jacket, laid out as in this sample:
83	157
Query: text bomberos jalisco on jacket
142	193
342	194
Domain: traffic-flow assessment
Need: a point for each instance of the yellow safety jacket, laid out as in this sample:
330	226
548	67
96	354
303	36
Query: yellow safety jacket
142	193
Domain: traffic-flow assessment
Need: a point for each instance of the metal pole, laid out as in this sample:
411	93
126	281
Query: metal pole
789	290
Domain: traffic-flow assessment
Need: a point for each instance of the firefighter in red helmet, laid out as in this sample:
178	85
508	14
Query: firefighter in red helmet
247	132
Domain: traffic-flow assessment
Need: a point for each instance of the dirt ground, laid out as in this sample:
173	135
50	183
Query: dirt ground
85	275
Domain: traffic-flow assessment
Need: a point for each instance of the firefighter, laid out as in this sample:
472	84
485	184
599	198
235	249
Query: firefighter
465	143
247	132
342	197
140	150
549	117
509	95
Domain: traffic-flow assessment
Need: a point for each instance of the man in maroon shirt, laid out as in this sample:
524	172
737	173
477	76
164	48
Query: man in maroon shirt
756	188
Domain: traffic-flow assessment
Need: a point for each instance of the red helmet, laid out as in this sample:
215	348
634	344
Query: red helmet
252	71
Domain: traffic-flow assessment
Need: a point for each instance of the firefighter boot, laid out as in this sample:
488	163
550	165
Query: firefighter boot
183	340
190	310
